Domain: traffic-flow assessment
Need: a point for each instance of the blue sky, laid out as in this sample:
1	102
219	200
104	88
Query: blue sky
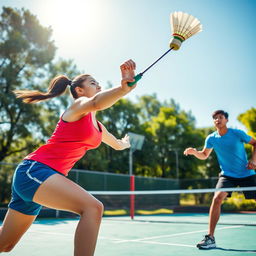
213	70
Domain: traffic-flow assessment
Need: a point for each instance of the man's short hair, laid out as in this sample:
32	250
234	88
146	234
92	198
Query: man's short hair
222	112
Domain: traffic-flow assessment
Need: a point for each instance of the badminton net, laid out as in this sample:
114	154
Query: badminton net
184	206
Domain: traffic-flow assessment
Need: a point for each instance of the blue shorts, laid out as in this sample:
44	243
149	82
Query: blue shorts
28	176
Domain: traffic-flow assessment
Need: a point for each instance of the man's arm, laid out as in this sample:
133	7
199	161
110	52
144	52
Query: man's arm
112	141
202	155
252	162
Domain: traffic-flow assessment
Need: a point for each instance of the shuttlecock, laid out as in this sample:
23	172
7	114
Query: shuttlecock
183	26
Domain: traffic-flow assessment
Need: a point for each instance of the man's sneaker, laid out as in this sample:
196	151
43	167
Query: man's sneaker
207	243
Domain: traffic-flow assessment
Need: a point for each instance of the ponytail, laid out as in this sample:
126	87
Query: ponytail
56	87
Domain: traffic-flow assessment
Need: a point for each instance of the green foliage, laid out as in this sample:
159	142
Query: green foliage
238	203
168	133
6	171
210	166
248	119
26	60
148	106
26	49
235	203
199	199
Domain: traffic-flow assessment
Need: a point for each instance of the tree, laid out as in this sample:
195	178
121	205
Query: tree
27	62
248	119
148	106
26	56
209	167
167	135
25	50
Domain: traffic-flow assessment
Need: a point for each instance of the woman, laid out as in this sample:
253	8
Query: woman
40	179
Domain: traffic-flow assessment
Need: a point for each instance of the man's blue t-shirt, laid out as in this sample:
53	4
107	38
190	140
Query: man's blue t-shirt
230	152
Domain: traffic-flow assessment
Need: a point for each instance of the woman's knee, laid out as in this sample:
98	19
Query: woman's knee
95	209
98	208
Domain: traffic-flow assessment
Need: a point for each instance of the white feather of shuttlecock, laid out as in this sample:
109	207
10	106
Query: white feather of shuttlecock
183	25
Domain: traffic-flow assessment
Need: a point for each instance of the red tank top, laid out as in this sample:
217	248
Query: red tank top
68	143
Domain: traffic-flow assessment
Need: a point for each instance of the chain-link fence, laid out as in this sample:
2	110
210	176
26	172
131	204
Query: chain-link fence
91	181
102	181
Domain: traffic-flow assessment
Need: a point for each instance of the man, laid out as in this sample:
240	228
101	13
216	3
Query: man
236	170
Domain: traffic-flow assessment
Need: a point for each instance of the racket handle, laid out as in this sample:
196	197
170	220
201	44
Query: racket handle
136	78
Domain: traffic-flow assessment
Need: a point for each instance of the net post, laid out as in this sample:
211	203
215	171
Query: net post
132	197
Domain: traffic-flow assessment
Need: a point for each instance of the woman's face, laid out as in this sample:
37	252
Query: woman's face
90	87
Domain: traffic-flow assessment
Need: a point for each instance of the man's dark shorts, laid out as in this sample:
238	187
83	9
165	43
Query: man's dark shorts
230	182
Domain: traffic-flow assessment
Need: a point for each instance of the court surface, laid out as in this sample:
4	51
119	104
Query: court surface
176	235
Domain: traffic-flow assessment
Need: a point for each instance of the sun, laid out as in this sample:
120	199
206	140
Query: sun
73	19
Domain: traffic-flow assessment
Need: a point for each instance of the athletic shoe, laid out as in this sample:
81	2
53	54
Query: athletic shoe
207	243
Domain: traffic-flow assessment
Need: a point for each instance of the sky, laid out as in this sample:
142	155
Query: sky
214	69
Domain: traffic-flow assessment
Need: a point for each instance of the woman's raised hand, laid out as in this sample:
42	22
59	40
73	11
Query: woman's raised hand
127	72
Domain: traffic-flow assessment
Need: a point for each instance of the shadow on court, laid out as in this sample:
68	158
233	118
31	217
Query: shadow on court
52	222
233	250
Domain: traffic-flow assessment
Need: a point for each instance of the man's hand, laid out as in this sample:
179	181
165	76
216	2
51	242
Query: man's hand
189	151
251	165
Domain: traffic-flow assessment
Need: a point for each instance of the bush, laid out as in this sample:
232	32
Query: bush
238	203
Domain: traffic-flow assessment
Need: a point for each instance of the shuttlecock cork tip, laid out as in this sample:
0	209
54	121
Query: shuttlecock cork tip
183	26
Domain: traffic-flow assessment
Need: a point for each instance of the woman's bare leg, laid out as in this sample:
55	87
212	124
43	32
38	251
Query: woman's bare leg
14	226
61	193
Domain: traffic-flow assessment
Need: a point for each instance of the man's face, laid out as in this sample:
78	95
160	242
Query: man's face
220	121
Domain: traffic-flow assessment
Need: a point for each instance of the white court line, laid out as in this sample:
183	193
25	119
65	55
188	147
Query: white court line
134	240
110	238
141	240
172	235
149	242
169	244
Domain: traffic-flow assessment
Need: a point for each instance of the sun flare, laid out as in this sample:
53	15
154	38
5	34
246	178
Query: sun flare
74	19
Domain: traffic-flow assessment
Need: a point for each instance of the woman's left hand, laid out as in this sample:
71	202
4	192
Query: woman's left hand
125	142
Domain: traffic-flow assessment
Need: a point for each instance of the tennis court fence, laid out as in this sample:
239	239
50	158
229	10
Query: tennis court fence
103	181
151	195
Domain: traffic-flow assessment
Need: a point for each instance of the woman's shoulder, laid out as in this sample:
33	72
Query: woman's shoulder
71	116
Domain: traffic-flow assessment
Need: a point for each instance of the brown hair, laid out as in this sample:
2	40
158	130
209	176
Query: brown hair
56	87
